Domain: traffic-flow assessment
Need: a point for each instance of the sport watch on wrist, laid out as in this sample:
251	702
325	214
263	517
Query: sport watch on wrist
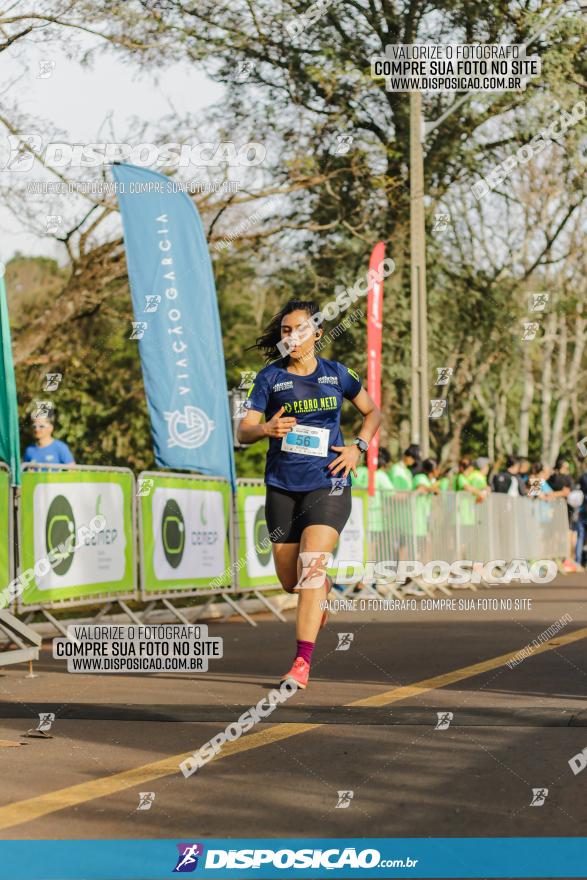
362	444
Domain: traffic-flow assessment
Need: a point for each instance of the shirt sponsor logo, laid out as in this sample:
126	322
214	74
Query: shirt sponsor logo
328	380
283	386
311	404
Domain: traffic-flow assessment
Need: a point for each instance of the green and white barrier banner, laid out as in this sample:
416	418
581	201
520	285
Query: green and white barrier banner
54	508
255	559
353	538
184	532
4	528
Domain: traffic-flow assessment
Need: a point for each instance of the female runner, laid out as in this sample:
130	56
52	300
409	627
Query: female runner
308	497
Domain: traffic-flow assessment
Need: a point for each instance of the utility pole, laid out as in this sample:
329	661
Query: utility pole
420	400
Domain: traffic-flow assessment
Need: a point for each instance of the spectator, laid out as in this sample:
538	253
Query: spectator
582	521
470	480
400	474
361	481
465	509
445	479
414	451
575	502
561	484
524	470
424	485
539	489
379	512
402	480
538	486
560	479
460	479
508	481
45	449
478	477
426	480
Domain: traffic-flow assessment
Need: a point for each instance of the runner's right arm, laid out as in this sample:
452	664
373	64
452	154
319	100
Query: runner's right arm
250	428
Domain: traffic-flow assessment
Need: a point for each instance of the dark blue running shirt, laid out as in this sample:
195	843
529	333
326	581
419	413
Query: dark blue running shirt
312	400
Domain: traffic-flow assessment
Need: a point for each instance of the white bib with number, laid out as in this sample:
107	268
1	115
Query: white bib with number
306	440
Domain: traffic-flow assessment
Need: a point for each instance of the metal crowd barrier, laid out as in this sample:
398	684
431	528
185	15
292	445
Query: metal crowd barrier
253	568
453	526
167	525
7	501
402	526
65	514
12	630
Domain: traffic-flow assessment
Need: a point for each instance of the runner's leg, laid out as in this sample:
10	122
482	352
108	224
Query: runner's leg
285	557
316	540
285	534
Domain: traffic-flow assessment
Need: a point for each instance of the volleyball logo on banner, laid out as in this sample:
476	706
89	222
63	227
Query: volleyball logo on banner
189	533
198	427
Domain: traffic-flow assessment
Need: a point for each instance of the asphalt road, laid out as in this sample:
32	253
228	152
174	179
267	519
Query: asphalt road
512	730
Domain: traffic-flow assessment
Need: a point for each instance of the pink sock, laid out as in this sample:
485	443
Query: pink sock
304	650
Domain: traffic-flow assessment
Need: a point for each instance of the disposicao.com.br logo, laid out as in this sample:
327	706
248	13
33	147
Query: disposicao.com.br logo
332	859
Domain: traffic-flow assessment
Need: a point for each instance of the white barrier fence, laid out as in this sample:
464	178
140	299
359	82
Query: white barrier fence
453	525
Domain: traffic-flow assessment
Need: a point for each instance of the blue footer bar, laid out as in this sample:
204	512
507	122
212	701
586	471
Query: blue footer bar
257	858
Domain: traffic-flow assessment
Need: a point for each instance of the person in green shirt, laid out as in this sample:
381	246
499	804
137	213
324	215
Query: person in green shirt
445	480
400	473
402	479
379	513
461	479
471	484
382	485
425	481
478	477
425	485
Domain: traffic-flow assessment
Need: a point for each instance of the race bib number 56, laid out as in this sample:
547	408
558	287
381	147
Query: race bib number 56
307	440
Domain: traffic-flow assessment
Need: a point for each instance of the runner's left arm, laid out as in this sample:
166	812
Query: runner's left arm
349	455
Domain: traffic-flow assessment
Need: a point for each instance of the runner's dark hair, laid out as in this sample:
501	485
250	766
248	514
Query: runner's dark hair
267	342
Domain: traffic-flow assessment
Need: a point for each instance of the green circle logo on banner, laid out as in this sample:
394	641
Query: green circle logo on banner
261	536
60	526
173	532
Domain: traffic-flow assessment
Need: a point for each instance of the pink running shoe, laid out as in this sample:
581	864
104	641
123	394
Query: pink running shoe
300	672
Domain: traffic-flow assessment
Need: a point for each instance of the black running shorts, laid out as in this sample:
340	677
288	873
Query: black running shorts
288	513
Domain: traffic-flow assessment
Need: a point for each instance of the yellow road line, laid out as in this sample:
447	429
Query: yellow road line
439	681
63	798
42	805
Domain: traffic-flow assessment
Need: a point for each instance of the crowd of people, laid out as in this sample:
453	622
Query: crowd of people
515	477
